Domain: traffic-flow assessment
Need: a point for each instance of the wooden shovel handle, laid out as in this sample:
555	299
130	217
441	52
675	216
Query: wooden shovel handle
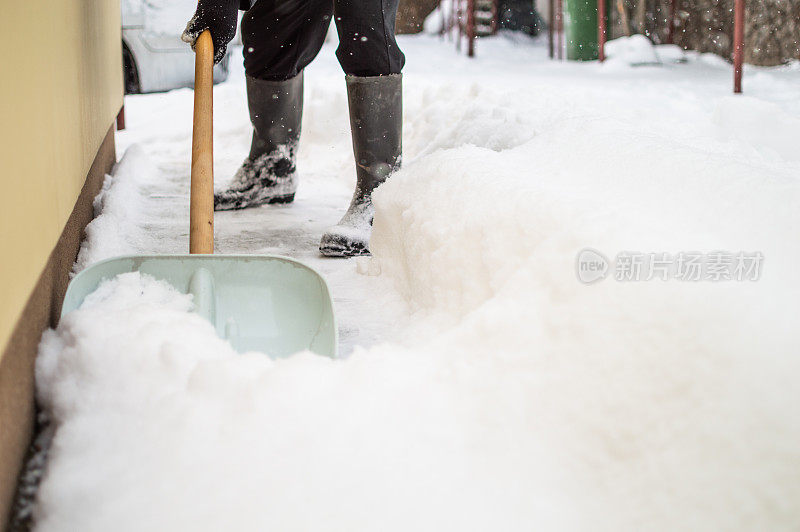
201	212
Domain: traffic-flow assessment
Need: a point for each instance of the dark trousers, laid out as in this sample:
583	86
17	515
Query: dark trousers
281	37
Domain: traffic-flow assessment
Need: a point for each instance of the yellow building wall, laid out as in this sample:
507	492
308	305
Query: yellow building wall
60	90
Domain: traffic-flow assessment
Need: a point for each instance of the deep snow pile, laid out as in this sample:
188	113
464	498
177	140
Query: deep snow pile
494	391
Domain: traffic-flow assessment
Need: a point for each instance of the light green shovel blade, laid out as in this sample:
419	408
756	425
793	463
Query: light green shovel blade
275	305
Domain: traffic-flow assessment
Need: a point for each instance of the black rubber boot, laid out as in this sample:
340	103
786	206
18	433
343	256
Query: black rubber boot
268	175
376	123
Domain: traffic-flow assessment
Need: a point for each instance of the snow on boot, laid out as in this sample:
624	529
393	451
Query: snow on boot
376	123
268	175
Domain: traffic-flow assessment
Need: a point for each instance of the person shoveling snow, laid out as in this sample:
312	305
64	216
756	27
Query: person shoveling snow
280	40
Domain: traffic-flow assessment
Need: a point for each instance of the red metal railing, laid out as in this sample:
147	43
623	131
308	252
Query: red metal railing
738	35
601	30
738	44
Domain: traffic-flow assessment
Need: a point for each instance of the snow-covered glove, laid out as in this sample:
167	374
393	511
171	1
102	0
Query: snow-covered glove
218	16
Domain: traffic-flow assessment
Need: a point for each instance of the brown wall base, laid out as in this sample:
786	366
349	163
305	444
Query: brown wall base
41	311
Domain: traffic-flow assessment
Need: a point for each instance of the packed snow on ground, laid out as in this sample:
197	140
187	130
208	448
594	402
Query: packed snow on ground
482	386
633	50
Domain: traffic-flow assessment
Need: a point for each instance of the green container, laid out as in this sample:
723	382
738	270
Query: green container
580	28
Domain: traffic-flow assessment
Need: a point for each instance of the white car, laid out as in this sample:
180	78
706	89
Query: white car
154	57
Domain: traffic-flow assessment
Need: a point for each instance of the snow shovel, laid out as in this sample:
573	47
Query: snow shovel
267	303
